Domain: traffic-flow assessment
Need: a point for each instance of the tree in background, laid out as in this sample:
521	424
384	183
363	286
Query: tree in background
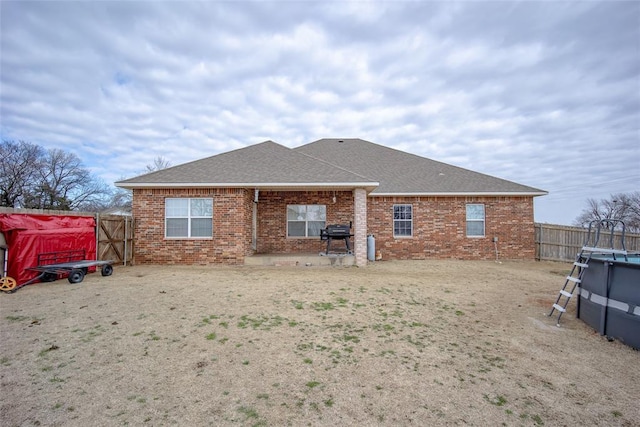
32	177
622	206
159	163
64	184
122	198
19	170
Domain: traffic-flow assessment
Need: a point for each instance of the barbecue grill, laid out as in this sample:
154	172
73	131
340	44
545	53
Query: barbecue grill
337	232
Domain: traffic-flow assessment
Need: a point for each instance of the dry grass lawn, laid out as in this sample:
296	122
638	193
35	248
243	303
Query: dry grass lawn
396	343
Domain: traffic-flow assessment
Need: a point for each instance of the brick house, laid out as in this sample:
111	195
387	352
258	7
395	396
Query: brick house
270	199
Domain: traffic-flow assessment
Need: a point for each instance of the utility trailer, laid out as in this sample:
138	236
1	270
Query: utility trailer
53	265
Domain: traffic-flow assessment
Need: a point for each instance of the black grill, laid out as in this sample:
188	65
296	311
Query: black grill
337	232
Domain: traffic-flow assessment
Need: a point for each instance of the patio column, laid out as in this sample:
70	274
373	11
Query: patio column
360	225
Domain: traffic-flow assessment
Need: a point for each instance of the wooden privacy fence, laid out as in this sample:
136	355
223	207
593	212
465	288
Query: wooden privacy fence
114	236
562	243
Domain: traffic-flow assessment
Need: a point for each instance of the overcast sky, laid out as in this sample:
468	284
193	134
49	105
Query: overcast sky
546	94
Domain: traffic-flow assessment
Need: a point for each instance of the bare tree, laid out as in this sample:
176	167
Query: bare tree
629	210
621	206
53	179
159	163
19	169
121	198
66	184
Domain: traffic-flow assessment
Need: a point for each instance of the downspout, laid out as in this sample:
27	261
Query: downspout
254	225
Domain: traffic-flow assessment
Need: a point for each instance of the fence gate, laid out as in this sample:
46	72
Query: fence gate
115	238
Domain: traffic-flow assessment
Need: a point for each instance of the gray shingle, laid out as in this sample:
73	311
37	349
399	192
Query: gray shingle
330	162
403	173
264	163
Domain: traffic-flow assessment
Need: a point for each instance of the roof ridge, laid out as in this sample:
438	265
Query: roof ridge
265	162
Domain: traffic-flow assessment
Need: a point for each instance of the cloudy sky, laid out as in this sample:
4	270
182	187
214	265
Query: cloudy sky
546	94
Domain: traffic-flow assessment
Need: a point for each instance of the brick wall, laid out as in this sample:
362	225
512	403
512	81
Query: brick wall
439	228
231	240
272	219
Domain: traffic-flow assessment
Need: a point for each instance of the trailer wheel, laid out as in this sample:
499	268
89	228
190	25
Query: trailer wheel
76	276
107	270
7	283
49	277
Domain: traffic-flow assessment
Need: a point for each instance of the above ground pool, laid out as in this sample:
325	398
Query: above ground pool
609	298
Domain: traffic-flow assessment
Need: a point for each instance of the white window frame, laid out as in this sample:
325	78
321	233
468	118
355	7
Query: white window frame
471	220
306	221
189	217
403	220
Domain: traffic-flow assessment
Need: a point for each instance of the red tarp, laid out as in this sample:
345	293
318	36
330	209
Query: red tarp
29	235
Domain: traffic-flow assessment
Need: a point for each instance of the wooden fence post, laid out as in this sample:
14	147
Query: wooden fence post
562	243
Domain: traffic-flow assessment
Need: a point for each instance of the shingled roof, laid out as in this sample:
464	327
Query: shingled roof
264	165
401	173
330	163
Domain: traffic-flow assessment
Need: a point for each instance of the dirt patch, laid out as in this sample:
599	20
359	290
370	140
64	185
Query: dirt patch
396	343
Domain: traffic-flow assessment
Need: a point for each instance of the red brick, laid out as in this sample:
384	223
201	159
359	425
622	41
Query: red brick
439	229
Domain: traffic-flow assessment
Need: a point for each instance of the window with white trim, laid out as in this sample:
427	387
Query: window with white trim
305	220
188	218
402	220
475	220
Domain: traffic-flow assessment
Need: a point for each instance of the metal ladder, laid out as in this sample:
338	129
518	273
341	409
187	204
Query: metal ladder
581	263
572	281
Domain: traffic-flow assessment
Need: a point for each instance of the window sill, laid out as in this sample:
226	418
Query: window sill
188	238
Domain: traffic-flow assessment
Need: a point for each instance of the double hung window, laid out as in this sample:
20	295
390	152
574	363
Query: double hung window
402	220
305	220
188	218
475	220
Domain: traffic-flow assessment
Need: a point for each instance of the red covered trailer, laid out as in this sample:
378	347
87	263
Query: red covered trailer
27	236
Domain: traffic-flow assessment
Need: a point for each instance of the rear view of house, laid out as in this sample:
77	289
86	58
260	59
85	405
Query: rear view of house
270	199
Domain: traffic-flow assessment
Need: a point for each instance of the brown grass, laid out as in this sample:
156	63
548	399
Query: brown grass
396	343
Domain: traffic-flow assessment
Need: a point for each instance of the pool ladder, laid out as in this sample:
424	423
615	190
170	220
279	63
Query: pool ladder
581	263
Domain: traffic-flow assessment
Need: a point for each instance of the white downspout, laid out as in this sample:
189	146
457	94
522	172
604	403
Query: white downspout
254	225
